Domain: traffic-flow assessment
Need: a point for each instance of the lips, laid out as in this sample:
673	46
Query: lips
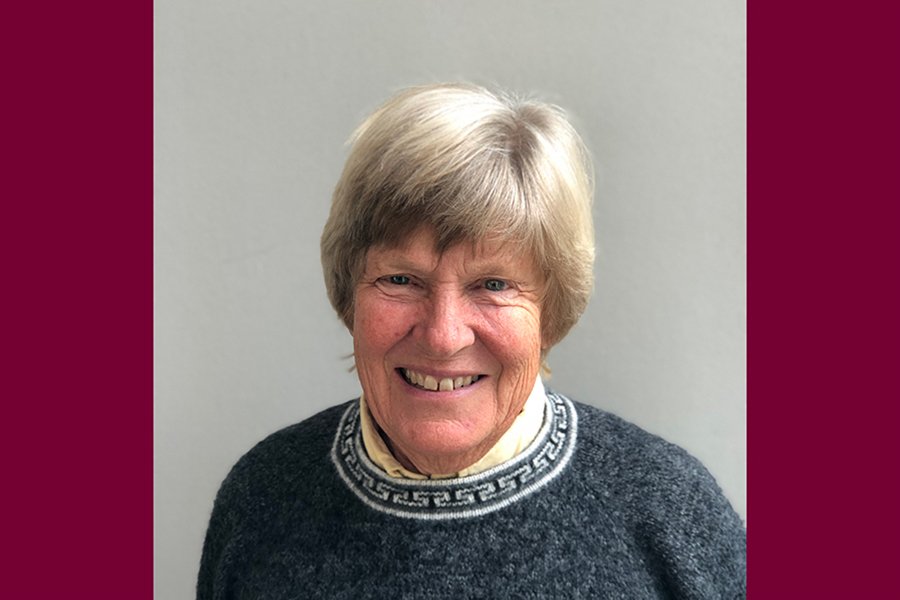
434	383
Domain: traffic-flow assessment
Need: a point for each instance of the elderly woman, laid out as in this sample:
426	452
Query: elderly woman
458	252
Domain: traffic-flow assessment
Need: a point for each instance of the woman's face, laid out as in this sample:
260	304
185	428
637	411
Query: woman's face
447	346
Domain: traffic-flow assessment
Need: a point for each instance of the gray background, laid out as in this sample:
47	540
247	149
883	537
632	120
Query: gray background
254	102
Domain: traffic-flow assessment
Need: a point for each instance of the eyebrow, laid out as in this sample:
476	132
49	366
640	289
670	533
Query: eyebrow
400	262
397	260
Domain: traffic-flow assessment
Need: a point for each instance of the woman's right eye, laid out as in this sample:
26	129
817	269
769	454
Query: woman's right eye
398	279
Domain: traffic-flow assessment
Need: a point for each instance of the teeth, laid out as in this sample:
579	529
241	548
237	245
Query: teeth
431	383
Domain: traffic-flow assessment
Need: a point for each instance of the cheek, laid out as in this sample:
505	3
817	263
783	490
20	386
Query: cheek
516	339
378	326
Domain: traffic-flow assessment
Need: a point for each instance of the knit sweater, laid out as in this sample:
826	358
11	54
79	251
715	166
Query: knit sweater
594	508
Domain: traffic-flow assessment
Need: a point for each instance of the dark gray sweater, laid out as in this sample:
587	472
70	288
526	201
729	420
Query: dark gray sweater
594	508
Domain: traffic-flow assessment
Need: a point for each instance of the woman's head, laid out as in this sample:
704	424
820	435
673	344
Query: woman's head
468	165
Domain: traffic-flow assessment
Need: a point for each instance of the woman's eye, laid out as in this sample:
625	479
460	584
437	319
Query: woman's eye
495	285
398	279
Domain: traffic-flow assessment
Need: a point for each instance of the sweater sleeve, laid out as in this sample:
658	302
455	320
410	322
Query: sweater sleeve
214	557
231	533
694	535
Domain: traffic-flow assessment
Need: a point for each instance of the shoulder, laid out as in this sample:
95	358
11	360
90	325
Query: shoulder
280	458
649	473
666	498
281	476
299	437
624	449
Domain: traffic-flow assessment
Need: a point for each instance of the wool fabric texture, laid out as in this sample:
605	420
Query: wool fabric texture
595	507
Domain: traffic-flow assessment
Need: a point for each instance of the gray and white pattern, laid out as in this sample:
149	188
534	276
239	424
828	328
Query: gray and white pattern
624	515
459	497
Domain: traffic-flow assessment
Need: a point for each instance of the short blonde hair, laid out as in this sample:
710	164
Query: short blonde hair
470	164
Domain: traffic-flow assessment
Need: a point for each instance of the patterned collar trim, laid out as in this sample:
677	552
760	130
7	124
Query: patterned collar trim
462	497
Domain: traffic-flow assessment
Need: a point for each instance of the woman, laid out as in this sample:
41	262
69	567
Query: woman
458	252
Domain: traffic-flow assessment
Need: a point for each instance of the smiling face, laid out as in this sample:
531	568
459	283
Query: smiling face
447	347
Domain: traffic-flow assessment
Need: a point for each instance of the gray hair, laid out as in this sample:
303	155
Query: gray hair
471	164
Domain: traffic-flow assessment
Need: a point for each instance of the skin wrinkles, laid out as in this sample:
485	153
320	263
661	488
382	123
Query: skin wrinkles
473	310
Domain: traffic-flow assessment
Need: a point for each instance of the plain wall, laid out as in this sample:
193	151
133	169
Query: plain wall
254	102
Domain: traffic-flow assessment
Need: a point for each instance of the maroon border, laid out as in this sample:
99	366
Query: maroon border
823	300
77	416
823	294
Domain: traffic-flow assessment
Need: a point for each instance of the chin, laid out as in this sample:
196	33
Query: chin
441	443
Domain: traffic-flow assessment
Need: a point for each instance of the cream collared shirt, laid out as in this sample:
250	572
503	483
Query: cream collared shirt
520	434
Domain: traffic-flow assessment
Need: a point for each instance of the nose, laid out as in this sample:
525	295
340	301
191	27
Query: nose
446	326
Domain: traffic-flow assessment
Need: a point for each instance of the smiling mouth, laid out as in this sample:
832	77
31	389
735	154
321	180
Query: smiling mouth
433	384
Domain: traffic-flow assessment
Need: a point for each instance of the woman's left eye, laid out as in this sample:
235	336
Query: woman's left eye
495	285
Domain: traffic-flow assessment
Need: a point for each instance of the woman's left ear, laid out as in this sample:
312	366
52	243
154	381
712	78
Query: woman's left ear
545	371
546	344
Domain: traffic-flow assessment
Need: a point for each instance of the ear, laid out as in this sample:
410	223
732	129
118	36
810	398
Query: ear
348	318
546	343
545	370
